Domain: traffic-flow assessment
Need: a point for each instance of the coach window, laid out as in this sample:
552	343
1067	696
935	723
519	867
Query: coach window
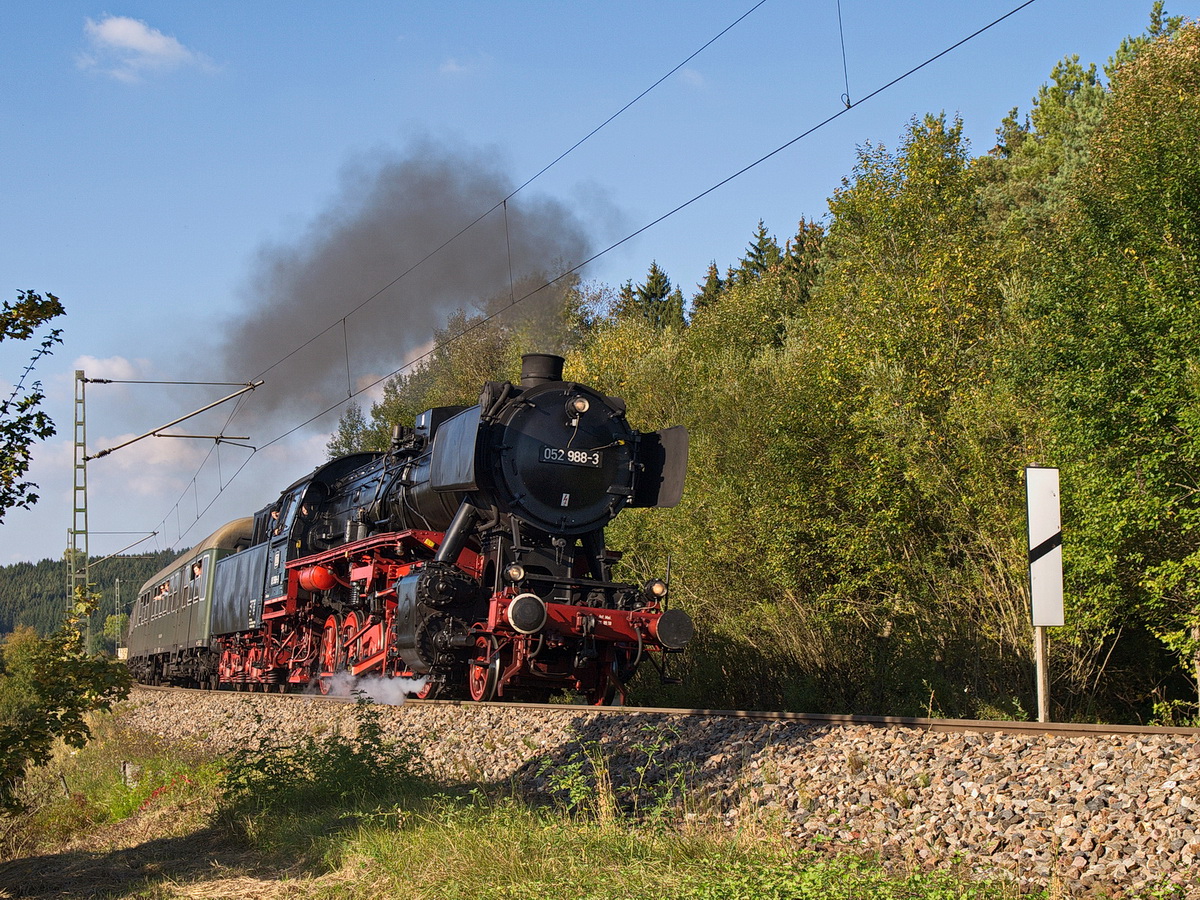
196	585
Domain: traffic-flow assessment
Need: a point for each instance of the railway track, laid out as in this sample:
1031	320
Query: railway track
1063	729
1115	807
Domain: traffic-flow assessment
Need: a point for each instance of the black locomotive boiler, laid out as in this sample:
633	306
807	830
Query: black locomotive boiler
469	556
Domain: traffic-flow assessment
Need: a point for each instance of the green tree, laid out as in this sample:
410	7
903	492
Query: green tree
47	685
352	433
47	688
1161	25
800	265
762	255
468	351
709	292
1118	359
919	566
655	300
1029	173
112	635
22	421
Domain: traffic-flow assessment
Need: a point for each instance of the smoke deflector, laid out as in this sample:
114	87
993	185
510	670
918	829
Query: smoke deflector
663	457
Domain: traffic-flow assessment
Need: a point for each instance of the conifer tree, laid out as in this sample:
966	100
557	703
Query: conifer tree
656	288
656	300
626	302
711	290
762	255
801	255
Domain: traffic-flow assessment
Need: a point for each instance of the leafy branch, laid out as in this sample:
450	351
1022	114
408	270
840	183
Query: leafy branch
22	421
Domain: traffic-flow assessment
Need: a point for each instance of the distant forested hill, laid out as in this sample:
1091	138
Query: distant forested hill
35	594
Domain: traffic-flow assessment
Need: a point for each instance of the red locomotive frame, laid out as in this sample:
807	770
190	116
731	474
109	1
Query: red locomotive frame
301	643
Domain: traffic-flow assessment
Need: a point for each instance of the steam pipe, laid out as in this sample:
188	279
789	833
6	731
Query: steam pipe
457	533
593	545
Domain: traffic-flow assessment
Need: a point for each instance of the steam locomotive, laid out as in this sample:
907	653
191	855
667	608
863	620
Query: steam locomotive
469	557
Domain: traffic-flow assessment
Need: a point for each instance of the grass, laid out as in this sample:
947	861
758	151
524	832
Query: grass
510	851
120	775
337	818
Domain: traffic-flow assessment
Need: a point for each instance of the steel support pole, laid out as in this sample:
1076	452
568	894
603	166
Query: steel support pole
1043	672
78	547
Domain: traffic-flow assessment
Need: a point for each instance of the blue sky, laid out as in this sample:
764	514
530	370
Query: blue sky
161	164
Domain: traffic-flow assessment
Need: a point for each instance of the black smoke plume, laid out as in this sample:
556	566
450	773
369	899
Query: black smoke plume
370	246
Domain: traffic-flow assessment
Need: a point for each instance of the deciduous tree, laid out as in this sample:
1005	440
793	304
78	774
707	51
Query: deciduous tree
22	421
1117	355
47	688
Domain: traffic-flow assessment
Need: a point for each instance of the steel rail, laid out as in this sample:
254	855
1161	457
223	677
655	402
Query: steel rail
829	720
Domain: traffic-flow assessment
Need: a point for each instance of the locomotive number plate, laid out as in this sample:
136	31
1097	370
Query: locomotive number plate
590	458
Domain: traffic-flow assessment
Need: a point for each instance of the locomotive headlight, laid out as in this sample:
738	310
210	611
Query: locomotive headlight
577	406
515	573
655	589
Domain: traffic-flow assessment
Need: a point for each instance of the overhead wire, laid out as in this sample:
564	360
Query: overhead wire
502	203
845	67
504	200
848	106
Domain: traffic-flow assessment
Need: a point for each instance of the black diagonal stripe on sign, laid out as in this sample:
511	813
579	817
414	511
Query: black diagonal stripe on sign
1036	553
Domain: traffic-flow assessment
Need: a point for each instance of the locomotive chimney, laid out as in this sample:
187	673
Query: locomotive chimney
538	368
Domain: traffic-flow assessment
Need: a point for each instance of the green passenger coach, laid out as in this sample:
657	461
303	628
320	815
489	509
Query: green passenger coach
171	623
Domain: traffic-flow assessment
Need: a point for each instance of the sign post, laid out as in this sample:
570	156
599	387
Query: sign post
1045	569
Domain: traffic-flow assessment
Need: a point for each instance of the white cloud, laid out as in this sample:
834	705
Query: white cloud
153	467
128	49
691	77
116	367
455	67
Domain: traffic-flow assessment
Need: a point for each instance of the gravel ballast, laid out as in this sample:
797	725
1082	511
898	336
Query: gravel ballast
1092	814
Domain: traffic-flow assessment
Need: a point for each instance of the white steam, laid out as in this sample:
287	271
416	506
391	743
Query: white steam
391	691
